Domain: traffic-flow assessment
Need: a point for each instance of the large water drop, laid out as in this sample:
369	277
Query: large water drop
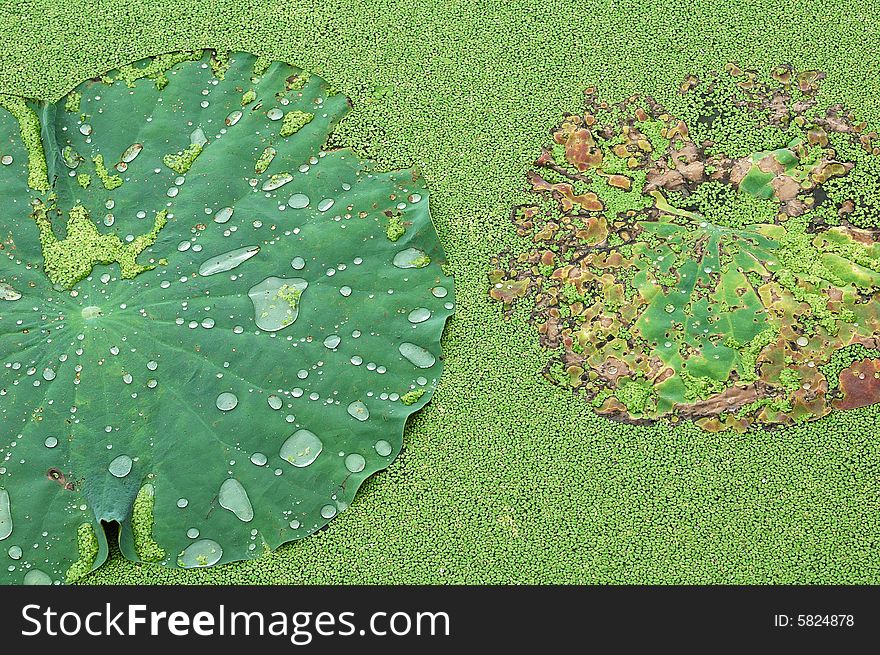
205	552
37	577
227	261
411	258
301	448
5	515
298	201
227	401
419	315
234	498
417	355
121	466
359	411
276	302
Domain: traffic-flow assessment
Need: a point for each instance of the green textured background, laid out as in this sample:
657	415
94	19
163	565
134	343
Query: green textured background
505	478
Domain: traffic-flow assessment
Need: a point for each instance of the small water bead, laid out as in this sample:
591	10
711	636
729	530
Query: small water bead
152	365
183	246
415	197
227	261
126	377
328	511
345	291
275	402
204	104
383	448
417	355
802	341
357	360
439	292
298	263
355	463
105	278
259	459
419	315
121	466
182	503
358	411
152	383
301	448
302	374
233	497
274	114
85	129
411	258
294	525
227	401
233	118
50	442
109	219
326	204
298	201
421	381
141	214
332	341
172	192
192	533
14	552
48	374
200	554
6	160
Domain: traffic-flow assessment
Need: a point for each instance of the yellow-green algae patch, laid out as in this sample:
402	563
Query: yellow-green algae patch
88	553
182	161
29	126
396	228
294	121
142	526
412	397
110	182
69	260
248	97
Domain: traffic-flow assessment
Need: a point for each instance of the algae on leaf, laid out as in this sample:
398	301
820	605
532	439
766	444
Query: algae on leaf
672	279
189	315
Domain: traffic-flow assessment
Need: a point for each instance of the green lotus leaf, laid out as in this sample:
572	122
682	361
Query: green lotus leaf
673	280
206	334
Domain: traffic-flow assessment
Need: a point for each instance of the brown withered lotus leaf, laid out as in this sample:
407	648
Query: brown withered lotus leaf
668	279
859	384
